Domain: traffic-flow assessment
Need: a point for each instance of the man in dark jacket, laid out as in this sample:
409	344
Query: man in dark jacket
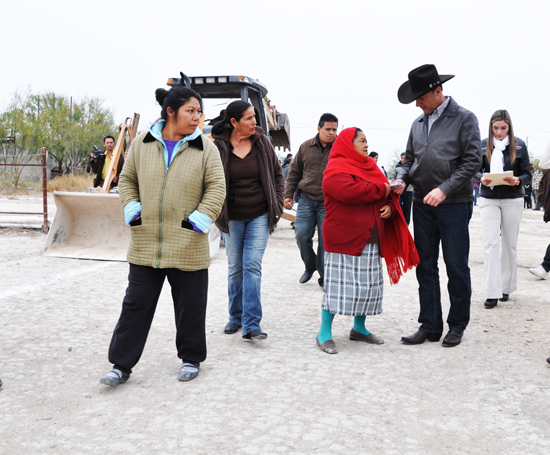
306	175
443	154
100	165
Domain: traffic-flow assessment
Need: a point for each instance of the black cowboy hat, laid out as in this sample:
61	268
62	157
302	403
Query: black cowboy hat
422	80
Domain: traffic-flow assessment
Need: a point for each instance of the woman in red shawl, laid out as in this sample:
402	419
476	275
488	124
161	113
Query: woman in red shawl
363	223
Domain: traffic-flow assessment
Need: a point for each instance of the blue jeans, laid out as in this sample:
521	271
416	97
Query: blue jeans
245	245
310	214
446	224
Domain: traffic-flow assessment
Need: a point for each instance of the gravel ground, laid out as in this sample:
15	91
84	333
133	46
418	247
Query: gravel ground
490	395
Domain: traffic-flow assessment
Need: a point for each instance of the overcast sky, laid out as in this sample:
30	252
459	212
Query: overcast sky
344	57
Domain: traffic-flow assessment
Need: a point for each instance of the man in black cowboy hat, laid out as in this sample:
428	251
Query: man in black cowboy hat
442	156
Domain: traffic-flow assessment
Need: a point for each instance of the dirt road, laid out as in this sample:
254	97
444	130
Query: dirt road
490	395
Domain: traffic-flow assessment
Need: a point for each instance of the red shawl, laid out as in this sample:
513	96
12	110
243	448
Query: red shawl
397	247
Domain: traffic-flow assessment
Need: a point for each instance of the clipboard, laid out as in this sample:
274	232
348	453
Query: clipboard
498	179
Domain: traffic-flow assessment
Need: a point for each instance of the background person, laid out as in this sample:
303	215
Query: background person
501	207
375	157
542	271
527	196
306	176
253	205
100	165
535	183
406	197
476	191
171	188
286	165
362	224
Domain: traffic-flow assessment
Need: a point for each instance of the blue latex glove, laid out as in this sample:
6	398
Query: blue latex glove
201	222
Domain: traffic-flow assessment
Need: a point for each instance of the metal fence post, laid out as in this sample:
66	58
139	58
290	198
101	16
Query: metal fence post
45	226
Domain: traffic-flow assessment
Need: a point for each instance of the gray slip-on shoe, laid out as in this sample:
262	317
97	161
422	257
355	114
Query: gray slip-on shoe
188	371
114	378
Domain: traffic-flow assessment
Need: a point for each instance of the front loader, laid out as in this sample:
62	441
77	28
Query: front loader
91	225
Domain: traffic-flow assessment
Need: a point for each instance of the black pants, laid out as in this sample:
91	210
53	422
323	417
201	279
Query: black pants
527	200
189	293
546	262
406	199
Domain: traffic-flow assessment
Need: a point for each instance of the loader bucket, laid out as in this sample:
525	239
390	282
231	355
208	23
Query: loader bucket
280	139
88	226
92	226
281	135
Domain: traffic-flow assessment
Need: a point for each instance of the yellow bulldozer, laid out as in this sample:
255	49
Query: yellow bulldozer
91	225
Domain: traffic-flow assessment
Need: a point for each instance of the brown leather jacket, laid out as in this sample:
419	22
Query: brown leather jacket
306	170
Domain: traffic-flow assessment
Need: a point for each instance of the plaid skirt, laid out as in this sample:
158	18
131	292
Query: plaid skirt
354	285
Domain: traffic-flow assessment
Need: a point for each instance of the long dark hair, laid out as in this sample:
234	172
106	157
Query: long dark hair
501	114
235	110
174	98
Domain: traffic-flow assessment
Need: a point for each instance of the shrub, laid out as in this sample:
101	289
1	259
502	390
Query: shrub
70	183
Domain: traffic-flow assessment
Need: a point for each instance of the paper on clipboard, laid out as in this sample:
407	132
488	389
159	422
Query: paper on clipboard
498	179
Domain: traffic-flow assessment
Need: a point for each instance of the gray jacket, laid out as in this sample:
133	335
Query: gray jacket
396	170
447	159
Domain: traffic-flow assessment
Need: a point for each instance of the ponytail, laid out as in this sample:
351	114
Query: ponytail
234	110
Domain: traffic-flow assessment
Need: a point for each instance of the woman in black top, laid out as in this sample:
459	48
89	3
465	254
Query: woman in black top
501	206
253	206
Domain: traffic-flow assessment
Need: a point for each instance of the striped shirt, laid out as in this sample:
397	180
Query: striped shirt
437	113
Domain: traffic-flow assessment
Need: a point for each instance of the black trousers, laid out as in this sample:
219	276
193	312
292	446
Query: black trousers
189	293
405	200
546	262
